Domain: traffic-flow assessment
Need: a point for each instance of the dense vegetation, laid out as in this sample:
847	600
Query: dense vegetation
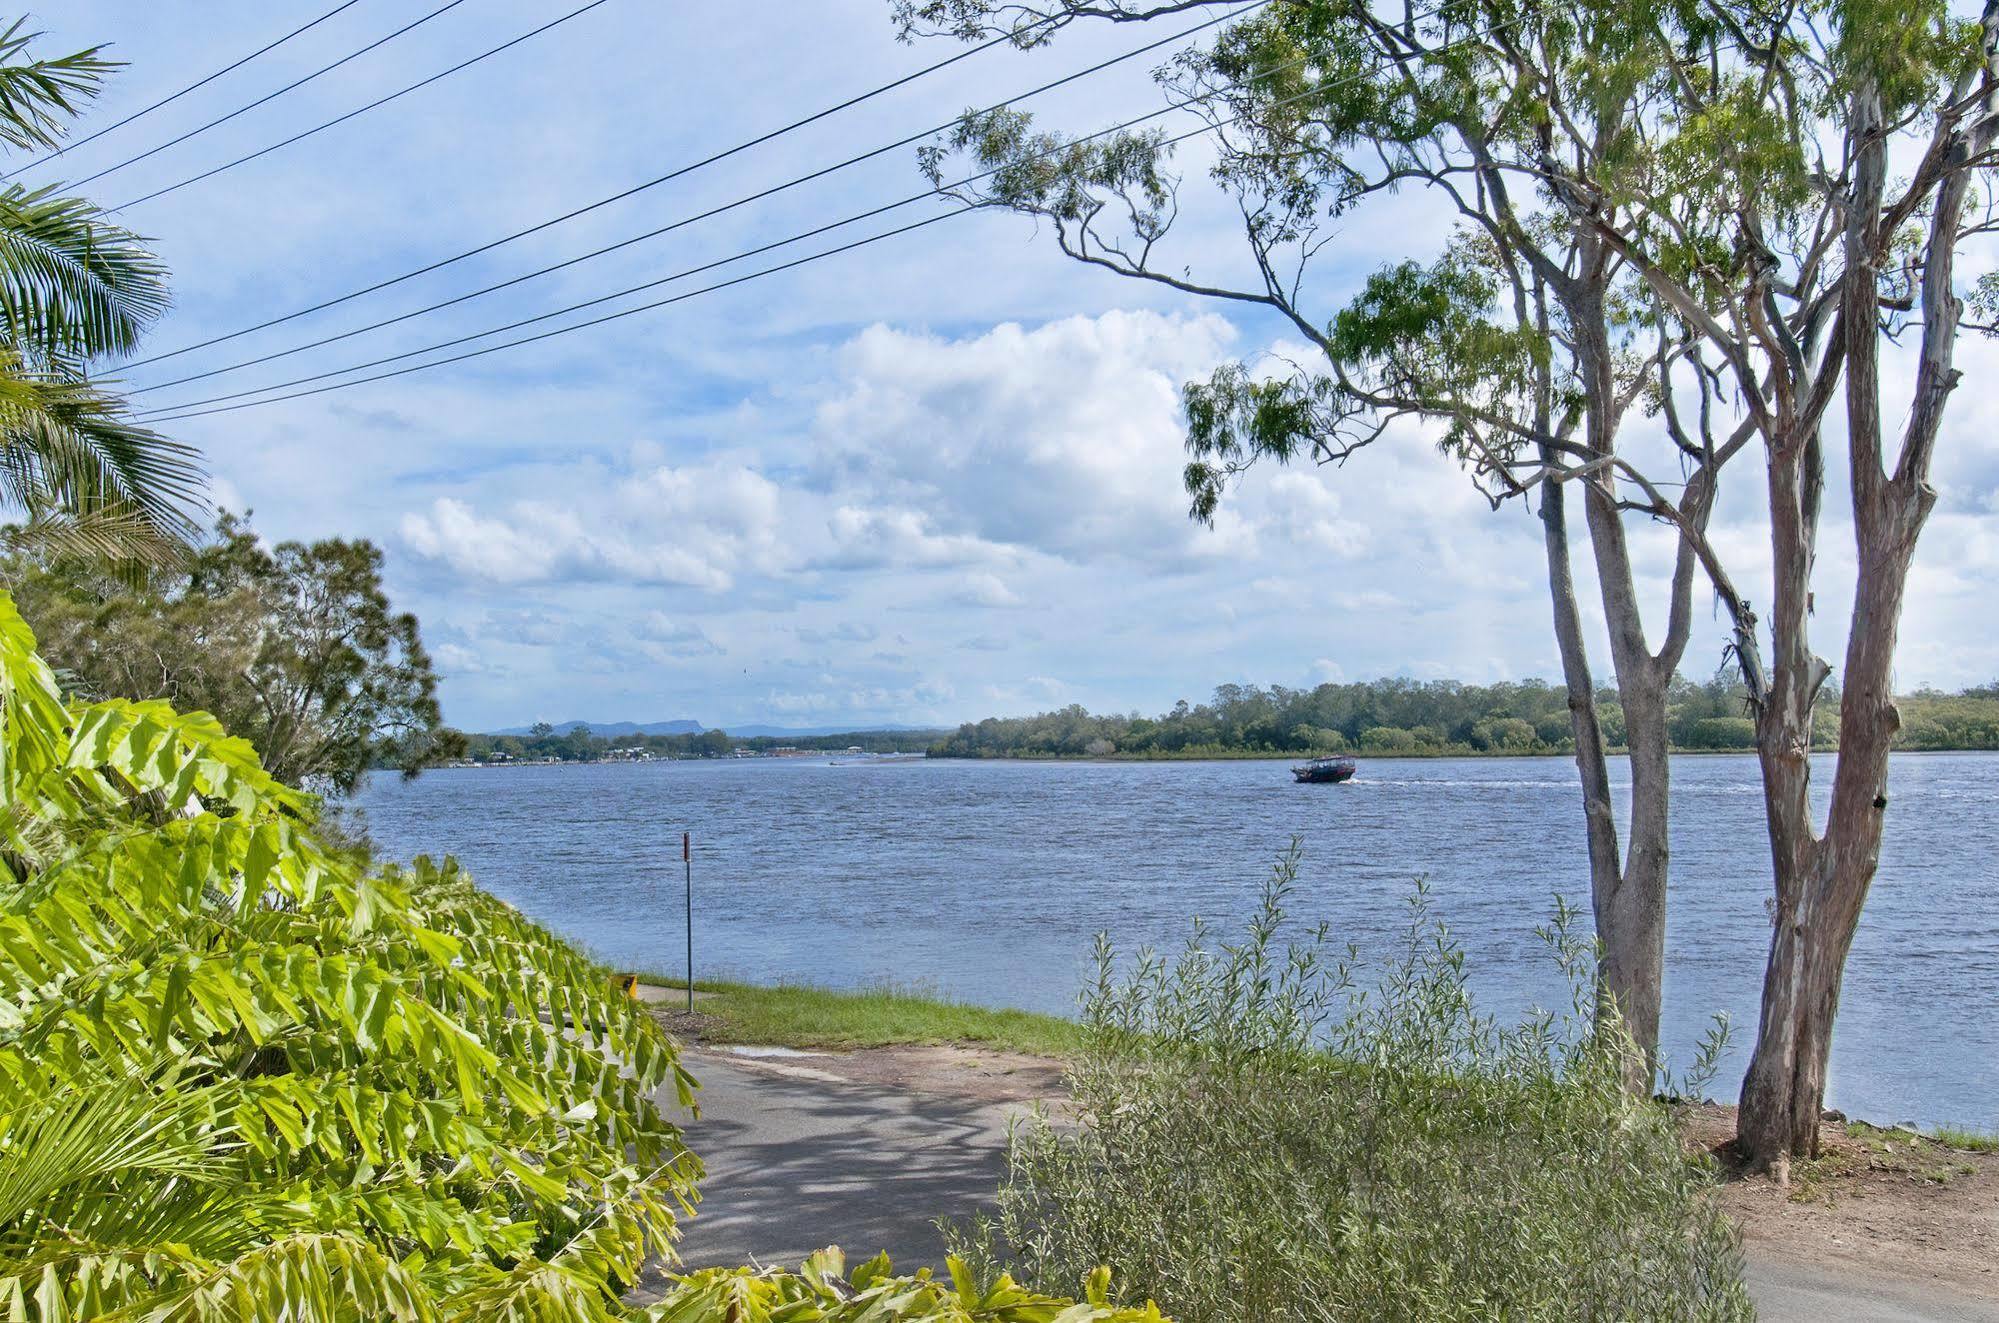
580	744
1253	1138
245	1076
1396	716
294	647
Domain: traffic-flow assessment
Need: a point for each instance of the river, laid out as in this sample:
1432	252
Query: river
986	881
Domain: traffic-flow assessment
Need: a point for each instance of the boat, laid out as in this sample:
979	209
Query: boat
1326	770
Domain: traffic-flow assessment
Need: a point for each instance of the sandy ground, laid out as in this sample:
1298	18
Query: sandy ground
870	1148
1891	1205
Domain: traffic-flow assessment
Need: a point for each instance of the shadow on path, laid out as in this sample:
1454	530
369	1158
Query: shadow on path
795	1164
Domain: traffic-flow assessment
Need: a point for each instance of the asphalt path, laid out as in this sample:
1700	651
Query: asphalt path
798	1158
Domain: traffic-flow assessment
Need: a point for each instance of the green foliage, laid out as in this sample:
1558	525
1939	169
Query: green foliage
1396	716
1721	733
75	287
294	647
1255	1137
1934	720
245	1076
822	1292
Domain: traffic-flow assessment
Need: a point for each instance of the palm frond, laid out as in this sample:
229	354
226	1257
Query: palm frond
122	540
67	447
81	1137
39	97
73	285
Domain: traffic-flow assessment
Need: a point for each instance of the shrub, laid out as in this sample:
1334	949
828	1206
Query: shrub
819	1293
237	1065
1255	1138
246	1077
1502	733
1387	739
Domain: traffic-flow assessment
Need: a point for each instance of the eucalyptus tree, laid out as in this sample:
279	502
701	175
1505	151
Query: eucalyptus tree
1777	193
1841	159
1525	338
74	288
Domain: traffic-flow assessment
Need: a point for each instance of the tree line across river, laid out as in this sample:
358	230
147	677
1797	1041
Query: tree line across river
1439	717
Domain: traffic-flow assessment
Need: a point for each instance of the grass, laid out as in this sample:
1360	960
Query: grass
800	1015
1970	1141
1927	1156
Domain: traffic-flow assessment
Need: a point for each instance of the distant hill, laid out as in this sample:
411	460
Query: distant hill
684	726
779	732
681	727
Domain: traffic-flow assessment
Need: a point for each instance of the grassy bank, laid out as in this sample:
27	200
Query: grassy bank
799	1015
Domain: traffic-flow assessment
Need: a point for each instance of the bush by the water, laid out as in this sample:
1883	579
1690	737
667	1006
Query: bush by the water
1255	1137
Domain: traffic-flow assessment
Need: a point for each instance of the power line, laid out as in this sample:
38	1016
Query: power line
362	110
192	409
198	408
241	110
690	220
670	175
580	326
194	86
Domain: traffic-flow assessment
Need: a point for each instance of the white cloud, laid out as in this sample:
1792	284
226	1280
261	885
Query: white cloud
986	590
1064	437
900	539
693	527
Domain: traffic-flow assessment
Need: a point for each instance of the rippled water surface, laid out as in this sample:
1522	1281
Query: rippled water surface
986	881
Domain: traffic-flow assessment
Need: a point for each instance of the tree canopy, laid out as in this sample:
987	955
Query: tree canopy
294	647
1399	716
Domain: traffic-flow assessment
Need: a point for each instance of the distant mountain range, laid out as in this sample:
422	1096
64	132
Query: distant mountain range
686	726
681	727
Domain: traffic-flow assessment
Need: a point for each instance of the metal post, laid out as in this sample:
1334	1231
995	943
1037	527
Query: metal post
687	861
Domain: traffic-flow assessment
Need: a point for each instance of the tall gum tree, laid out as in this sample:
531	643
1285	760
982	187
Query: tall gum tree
1529	336
1780	191
1841	156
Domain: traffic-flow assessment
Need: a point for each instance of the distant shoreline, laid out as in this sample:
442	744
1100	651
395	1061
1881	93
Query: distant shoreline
1110	758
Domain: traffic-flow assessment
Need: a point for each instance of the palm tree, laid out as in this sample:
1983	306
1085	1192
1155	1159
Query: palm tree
74	288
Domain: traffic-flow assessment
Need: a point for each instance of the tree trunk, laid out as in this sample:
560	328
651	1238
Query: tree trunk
1632	924
1822	883
1599	818
1630	908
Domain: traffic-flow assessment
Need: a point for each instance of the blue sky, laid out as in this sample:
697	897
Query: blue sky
931	480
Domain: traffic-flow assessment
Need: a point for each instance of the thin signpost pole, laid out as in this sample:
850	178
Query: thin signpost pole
687	862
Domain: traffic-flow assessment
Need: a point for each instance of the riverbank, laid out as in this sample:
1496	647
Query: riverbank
1885	1224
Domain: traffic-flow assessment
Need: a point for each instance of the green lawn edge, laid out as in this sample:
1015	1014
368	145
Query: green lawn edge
807	1016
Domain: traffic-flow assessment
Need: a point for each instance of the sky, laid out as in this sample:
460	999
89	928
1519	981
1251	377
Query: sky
929	480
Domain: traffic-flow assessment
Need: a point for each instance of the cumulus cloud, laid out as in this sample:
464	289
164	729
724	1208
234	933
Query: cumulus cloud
696	528
866	539
1064	438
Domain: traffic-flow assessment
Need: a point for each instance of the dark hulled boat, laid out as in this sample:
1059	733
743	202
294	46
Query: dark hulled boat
1325	770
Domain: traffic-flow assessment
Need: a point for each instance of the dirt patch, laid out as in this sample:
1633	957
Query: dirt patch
1879	1201
951	1070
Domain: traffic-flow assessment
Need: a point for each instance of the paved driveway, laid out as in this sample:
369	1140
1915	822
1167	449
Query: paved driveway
798	1158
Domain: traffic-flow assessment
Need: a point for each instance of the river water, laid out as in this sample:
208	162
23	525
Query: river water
986	881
